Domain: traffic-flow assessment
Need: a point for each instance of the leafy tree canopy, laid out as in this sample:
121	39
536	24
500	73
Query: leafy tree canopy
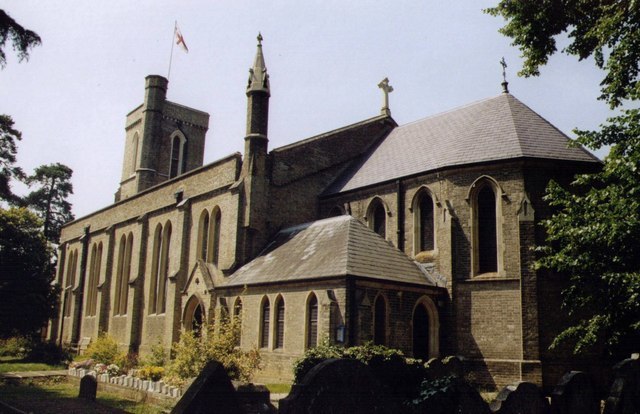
594	236
8	149
27	298
49	200
607	30
21	39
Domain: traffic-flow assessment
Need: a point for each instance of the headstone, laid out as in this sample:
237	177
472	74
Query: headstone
575	393
522	398
88	388
452	395
435	369
624	396
453	366
337	386
211	390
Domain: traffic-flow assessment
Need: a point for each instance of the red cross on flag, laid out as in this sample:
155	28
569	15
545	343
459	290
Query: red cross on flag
180	39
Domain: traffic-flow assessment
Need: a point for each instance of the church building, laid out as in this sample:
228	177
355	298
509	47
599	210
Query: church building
418	237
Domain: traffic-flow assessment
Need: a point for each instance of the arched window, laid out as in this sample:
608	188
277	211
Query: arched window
178	154
312	321
203	235
264	325
426	329
71	280
380	321
487	249
425	222
160	268
123	274
94	277
215	236
279	332
377	217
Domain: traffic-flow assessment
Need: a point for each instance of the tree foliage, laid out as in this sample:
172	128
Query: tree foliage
8	149
27	297
594	236
607	30
50	199
21	39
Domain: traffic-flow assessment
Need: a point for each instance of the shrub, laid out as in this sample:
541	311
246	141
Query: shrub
313	356
192	353
17	346
157	357
126	361
399	375
103	350
150	372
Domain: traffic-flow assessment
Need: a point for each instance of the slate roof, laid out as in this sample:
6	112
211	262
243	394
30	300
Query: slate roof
337	246
498	128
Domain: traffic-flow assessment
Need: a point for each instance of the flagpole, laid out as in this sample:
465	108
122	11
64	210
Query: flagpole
175	27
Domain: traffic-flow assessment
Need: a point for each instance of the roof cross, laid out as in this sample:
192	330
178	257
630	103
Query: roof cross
386	89
505	84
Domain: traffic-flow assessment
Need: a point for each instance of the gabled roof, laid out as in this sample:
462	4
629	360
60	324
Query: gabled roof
337	246
498	128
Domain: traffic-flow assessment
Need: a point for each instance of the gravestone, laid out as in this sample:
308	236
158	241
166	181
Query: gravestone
624	396
522	398
337	386
453	366
88	388
575	393
210	392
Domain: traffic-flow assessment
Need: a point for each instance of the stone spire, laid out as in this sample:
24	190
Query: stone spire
258	76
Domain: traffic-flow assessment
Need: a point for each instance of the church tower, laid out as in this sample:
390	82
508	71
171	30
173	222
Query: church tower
254	166
163	140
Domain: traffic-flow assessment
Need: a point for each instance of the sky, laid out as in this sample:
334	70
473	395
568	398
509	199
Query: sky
325	60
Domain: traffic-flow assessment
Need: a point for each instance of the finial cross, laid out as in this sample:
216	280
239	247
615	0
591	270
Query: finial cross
386	90
505	84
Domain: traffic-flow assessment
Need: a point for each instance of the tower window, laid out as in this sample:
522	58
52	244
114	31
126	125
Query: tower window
178	155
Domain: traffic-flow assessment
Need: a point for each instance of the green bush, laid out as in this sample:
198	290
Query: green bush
103	350
192	353
157	357
17	346
150	372
399	375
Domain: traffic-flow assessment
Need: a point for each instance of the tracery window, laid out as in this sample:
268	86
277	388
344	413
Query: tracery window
123	274
71	280
94	277
160	268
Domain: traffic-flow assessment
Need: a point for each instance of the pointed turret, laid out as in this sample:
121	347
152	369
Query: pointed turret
254	164
258	76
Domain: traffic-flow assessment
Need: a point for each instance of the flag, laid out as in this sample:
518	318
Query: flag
180	39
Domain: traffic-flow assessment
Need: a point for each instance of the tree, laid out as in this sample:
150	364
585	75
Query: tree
593	238
8	169
25	275
607	30
21	39
50	199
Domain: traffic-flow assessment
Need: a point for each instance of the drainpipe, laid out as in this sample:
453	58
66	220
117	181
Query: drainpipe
400	214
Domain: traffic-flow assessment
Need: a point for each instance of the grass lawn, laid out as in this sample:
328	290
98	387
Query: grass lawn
56	395
13	364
